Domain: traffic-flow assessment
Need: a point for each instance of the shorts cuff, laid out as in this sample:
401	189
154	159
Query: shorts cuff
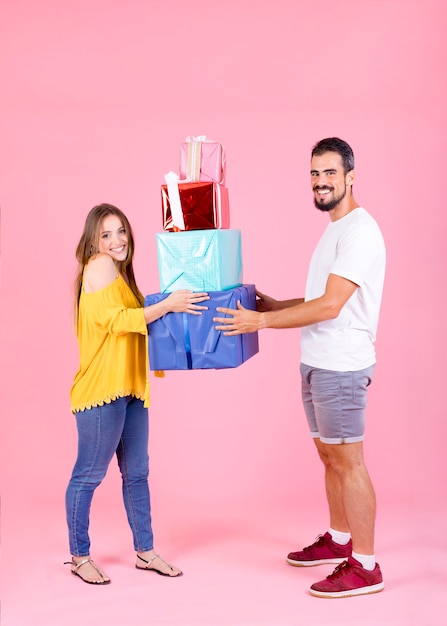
339	440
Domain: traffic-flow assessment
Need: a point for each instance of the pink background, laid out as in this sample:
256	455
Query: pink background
96	97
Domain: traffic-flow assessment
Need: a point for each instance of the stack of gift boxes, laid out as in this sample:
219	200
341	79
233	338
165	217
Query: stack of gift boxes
199	251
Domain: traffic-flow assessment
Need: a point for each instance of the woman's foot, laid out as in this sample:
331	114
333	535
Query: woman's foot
153	562
87	571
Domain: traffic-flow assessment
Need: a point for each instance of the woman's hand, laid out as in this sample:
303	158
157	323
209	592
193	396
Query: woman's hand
180	301
186	301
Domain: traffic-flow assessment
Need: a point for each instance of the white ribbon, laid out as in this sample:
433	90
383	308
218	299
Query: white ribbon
172	181
217	206
194	160
200	138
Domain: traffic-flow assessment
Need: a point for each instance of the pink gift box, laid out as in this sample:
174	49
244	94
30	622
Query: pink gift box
202	160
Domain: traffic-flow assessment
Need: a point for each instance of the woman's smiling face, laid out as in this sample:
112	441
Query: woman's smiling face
113	239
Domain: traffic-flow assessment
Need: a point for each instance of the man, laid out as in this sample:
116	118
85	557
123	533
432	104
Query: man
338	316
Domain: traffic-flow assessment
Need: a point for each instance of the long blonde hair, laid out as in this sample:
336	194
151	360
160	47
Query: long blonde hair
88	247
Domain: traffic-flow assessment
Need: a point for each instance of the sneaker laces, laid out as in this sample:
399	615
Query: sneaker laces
339	571
319	541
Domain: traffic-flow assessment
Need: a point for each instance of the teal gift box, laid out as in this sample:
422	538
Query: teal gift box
201	260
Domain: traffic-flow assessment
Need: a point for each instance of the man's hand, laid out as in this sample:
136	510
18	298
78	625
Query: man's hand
239	321
265	303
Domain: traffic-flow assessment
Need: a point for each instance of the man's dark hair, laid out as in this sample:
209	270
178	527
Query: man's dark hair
333	144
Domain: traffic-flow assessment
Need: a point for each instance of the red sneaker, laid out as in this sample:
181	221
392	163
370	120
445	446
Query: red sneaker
349	579
324	550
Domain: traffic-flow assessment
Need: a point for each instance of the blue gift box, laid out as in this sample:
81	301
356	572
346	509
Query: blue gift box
201	260
181	341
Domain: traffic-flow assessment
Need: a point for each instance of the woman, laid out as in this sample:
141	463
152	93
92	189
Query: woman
110	393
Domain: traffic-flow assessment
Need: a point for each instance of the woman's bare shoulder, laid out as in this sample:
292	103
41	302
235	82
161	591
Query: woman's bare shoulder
99	273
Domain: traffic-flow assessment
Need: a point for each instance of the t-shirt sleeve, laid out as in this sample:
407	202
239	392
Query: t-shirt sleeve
357	251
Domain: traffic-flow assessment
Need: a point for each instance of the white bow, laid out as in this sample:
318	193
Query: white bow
201	138
172	181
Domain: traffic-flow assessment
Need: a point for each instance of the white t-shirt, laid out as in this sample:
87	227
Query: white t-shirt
353	248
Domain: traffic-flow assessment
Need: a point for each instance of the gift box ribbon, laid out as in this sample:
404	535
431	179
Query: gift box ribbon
172	181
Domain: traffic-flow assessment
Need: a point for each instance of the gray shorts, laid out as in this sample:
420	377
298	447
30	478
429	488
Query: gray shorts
335	403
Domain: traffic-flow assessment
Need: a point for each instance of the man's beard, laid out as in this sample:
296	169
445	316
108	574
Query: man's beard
328	206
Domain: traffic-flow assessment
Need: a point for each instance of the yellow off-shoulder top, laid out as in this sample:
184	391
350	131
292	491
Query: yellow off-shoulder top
112	338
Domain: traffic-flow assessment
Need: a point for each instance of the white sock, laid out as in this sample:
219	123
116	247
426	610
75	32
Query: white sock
368	561
339	537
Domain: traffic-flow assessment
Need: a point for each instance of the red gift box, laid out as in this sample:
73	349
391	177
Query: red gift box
204	206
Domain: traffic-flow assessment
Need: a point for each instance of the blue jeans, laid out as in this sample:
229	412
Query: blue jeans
121	427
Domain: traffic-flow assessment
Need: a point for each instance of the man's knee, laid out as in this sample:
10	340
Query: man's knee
323	453
341	457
